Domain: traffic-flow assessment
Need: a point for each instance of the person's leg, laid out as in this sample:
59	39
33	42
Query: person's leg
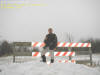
43	55
52	55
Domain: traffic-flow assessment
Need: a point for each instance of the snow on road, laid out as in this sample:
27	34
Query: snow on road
39	68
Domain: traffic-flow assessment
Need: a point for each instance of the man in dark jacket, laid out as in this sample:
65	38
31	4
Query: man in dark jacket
50	44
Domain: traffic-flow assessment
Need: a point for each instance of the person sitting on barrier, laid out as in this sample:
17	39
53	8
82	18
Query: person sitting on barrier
50	44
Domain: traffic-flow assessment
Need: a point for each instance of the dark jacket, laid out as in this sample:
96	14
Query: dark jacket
51	41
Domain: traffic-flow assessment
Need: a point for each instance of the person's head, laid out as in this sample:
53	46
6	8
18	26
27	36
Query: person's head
50	30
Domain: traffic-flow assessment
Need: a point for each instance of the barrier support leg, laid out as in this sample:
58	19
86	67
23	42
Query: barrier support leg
90	51
70	57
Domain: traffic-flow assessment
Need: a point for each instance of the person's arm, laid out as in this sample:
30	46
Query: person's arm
55	40
45	40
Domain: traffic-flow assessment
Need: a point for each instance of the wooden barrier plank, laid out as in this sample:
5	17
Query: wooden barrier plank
61	44
38	54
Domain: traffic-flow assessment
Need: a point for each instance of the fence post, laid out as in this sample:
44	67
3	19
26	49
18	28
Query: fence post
13	53
13	58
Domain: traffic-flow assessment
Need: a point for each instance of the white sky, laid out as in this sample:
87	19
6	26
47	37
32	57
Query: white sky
81	18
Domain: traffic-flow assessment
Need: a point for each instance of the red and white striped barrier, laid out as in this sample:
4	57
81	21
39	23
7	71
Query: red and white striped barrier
38	54
65	44
62	61
67	61
60	44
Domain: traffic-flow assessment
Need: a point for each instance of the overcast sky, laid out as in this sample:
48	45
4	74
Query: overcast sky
81	18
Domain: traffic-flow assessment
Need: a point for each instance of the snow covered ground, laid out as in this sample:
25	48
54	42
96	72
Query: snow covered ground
35	67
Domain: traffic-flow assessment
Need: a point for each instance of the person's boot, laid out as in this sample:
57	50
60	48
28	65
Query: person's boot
43	58
52	60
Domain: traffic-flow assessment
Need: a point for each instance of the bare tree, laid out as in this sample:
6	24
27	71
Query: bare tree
6	48
69	38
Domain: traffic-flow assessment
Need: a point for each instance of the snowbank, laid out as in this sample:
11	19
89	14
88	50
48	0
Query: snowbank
39	68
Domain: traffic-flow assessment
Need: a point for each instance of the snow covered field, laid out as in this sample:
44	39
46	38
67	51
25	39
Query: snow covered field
35	67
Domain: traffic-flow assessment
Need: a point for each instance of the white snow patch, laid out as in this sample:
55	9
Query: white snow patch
38	68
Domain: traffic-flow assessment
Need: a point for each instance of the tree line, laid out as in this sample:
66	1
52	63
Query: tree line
7	48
